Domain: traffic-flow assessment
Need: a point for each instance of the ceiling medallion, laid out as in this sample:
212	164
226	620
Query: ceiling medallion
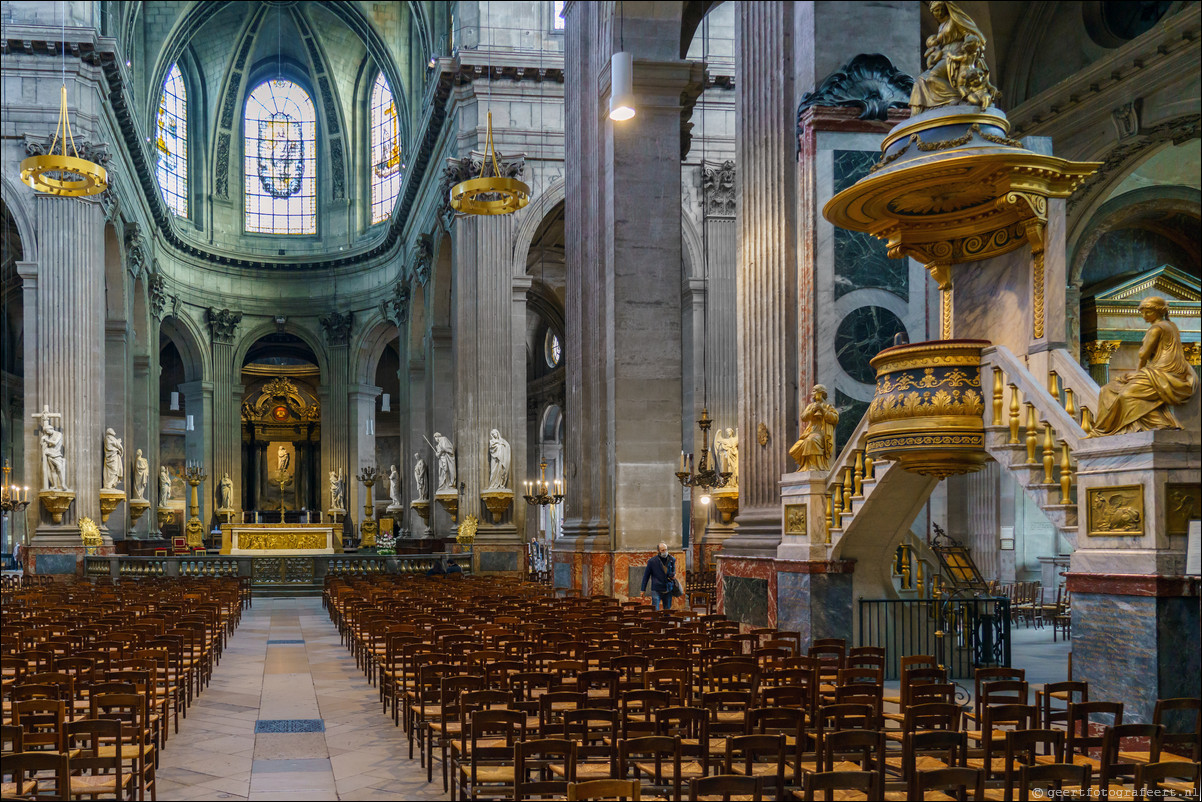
60	174
489	194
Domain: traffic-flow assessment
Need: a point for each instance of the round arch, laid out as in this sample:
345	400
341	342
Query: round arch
544	205
188	338
375	335
15	201
267	327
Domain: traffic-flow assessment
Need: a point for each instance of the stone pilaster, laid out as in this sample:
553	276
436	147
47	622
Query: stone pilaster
440	389
117	409
361	405
198	442
227	422
337	436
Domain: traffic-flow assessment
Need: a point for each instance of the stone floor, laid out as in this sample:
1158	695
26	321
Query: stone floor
286	664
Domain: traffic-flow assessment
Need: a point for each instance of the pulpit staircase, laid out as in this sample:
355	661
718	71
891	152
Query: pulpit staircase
1033	428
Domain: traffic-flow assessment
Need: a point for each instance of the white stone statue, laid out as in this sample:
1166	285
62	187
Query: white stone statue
499	454
225	493
114	461
141	476
54	464
421	473
283	460
394	488
164	486
337	497
444	452
727	447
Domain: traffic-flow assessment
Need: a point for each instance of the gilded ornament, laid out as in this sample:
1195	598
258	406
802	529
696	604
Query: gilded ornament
1183	503
955	61
89	533
761	434
1116	511
795	519
467	531
815	447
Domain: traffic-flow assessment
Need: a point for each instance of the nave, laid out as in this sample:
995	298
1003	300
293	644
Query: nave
286	668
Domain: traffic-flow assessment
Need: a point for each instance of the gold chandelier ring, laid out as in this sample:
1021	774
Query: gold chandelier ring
468	196
36	172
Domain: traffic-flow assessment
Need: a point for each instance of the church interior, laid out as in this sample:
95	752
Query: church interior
392	470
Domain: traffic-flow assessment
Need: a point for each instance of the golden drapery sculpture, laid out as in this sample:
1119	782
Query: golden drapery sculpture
955	61
816	445
1140	400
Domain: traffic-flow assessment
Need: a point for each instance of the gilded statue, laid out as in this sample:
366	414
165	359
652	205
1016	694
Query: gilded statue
1140	401
955	60
816	446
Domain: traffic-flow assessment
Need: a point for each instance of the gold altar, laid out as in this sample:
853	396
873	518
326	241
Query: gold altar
280	539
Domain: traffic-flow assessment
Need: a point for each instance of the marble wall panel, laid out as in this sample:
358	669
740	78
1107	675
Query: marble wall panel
851	410
55	563
563	575
861	260
499	561
746	600
793	604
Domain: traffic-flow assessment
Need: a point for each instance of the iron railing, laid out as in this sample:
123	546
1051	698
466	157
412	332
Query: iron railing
962	633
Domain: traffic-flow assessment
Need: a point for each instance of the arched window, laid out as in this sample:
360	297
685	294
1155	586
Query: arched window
281	160
171	142
386	164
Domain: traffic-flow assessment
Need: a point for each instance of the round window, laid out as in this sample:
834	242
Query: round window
552	349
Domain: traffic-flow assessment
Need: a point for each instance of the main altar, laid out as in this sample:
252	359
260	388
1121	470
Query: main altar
280	539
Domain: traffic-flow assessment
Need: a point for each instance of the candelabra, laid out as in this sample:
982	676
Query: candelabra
12	497
368	531
542	492
194	530
706	477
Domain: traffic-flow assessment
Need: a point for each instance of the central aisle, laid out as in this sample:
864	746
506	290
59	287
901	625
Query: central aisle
285	670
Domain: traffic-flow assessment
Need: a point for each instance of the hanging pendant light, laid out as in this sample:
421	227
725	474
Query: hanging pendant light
489	194
59	173
621	83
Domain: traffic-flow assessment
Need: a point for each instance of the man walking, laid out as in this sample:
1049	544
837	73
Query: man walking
660	570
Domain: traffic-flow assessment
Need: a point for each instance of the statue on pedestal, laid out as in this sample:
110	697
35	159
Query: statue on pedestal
421	476
1140	400
225	493
114	461
54	464
444	452
816	445
499	455
337	492
164	486
727	447
955	61
141	476
394	489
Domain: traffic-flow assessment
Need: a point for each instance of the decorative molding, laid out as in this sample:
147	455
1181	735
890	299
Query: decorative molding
223	324
97	152
327	101
231	100
423	259
718	184
869	81
337	327
135	250
396	308
223	165
1127	119
156	293
338	169
1116	511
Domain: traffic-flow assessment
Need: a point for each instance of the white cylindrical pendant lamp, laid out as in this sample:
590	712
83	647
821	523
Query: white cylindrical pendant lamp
175	401
386	403
621	86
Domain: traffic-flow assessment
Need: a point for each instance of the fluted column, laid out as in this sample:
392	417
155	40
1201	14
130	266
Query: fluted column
770	367
66	315
198	441
336	433
227	421
361	404
118	384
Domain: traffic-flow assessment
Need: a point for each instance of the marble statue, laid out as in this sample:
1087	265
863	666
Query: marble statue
164	486
727	446
499	454
444	452
283	460
421	478
394	488
225	493
955	61
337	497
54	464
816	446
141	476
1140	400
113	470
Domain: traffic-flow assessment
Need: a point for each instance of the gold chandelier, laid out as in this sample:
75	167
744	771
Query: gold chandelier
60	174
489	194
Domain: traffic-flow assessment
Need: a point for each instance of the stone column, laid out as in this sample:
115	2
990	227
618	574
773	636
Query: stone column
441	405
336	433
414	393
198	443
489	392
227	421
361	404
623	292
118	387
65	365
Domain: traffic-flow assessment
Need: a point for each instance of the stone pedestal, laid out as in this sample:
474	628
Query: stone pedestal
61	553
814	598
803	516
225	514
109	500
137	508
56	503
1131	598
450	503
497	502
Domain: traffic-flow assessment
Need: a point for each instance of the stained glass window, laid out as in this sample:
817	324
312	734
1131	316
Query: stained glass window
557	16
281	160
171	142
386	164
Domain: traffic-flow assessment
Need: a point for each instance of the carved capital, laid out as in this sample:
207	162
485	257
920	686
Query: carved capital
223	324
1099	352
869	82
473	166
718	184
423	257
156	293
396	308
337	327
136	250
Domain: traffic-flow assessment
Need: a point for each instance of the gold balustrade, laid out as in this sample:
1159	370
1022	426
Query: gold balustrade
1015	420
1066	474
1049	454
1032	434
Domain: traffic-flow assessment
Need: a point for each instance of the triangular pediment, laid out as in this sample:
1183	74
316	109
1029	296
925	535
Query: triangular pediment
1165	281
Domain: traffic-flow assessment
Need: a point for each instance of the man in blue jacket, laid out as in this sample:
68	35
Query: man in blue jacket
660	570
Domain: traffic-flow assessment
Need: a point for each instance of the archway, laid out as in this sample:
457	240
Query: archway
281	429
12	371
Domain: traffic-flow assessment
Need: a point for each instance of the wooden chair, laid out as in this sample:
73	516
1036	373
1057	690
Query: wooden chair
925	751
1170	776
97	767
1181	746
604	790
137	748
1115	769
488	765
846	784
31	772
953	783
1053	777
1079	742
761	756
691	725
532	771
996	723
1069	693
726	787
595	732
646	757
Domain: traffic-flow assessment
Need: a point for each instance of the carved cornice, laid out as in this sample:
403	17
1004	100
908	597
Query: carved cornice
223	324
396	308
136	251
337	327
869	82
423	258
